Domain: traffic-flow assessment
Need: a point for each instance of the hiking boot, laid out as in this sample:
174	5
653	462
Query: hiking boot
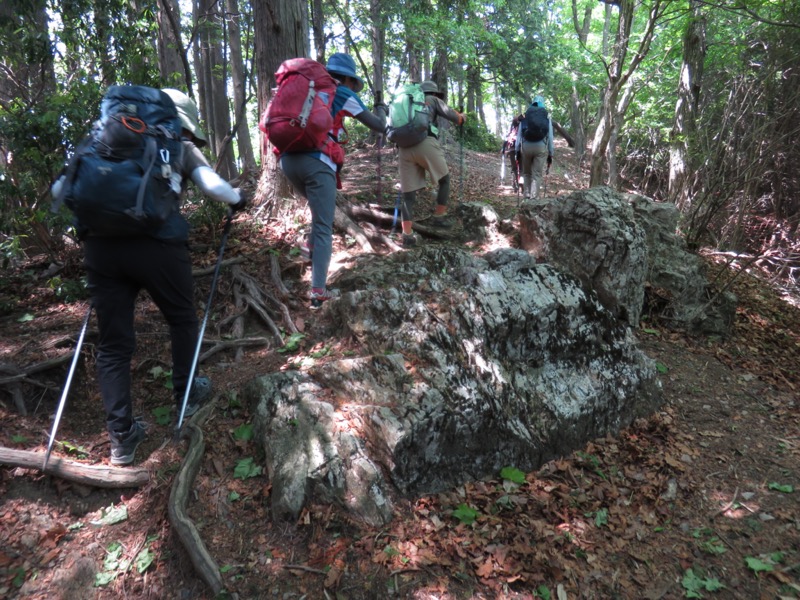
442	222
409	240
201	391
123	447
319	298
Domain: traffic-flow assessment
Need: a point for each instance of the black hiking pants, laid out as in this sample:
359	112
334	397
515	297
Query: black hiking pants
118	269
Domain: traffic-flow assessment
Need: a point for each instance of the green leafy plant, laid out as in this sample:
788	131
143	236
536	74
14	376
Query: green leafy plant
763	562
662	368
513	475
779	487
158	373
465	514
246	468
693	584
543	592
243	432
111	515
162	414
70	448
293	343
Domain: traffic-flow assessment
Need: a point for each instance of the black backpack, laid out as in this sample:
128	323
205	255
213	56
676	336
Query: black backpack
125	177
537	124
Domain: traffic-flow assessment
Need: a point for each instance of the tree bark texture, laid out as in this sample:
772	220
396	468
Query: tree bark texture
281	32
684	125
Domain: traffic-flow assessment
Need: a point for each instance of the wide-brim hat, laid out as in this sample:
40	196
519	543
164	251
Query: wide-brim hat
343	64
429	87
189	115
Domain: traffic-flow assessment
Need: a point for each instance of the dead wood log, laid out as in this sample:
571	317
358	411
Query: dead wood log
342	221
220	345
190	538
372	215
101	476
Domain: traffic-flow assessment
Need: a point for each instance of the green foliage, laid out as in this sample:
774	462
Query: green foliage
513	474
246	468
779	487
466	514
243	433
693	584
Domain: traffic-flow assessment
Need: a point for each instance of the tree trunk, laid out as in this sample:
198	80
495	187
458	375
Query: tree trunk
281	32
213	38
239	80
318	28
170	46
613	108
683	128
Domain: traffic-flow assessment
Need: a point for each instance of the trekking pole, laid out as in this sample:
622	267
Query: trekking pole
396	216
226	230
503	167
67	384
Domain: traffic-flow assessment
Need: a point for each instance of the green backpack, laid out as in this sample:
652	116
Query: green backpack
409	116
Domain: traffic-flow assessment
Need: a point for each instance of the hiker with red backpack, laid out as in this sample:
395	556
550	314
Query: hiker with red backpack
312	161
535	147
124	185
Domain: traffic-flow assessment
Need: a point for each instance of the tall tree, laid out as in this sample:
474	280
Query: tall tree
239	79
618	73
686	108
281	32
212	70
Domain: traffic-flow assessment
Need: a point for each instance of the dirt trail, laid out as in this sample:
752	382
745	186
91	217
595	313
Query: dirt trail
698	501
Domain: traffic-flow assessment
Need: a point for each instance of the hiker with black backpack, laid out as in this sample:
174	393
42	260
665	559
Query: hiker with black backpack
124	185
427	155
312	165
535	147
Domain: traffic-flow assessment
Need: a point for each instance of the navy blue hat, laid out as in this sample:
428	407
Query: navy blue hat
343	64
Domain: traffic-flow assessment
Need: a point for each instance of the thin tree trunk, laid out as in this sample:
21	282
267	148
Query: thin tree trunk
239	80
683	128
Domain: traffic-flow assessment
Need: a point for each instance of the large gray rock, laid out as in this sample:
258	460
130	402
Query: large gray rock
620	246
463	365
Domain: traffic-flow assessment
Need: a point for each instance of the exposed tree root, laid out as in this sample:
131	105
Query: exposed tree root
251	294
203	562
101	476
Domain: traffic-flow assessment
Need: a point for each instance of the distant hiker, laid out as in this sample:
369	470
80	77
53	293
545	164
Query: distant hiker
535	144
509	147
427	155
119	265
314	173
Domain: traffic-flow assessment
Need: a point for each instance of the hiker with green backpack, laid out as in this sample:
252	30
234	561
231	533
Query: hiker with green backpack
413	126
124	185
535	147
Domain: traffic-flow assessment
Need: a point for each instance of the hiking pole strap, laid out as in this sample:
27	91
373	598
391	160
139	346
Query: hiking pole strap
226	230
65	392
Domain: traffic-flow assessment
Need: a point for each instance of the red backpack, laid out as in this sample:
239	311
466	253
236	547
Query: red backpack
299	117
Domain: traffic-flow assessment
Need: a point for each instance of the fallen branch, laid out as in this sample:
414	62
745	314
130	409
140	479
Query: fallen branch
201	559
91	475
220	345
